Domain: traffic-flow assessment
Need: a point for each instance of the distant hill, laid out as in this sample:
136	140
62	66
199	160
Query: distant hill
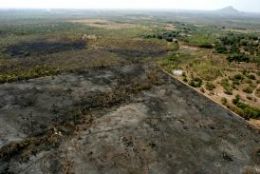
228	11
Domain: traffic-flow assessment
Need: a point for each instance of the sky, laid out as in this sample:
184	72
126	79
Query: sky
242	5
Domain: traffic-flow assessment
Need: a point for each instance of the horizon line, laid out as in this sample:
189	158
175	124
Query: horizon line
123	9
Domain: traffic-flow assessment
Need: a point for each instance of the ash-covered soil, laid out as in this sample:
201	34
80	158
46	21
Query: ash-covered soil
129	119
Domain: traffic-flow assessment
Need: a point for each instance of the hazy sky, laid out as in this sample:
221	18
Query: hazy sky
243	5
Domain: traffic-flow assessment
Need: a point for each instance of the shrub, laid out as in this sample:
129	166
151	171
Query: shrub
196	82
238	77
206	45
238	58
228	92
236	82
223	100
249	97
228	89
248	81
251	76
248	111
210	86
169	39
220	48
236	100
248	90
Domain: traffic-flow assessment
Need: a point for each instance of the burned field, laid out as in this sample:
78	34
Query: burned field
44	47
127	119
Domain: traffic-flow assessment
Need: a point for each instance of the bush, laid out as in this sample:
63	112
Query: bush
236	100
249	97
210	86
228	89
238	58
223	100
236	82
220	48
251	76
228	92
206	45
196	82
248	90
248	111
185	79
238	77
248	81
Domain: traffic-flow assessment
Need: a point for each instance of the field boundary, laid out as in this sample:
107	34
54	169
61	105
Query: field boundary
200	93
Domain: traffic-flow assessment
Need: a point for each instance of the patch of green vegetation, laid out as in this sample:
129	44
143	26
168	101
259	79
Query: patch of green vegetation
53	64
175	60
210	86
174	46
237	79
241	47
248	90
38	71
201	40
170	36
200	36
196	82
224	101
206	69
203	37
238	57
251	76
228	89
247	111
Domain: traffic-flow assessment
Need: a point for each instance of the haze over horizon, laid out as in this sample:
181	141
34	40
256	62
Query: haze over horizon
241	5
